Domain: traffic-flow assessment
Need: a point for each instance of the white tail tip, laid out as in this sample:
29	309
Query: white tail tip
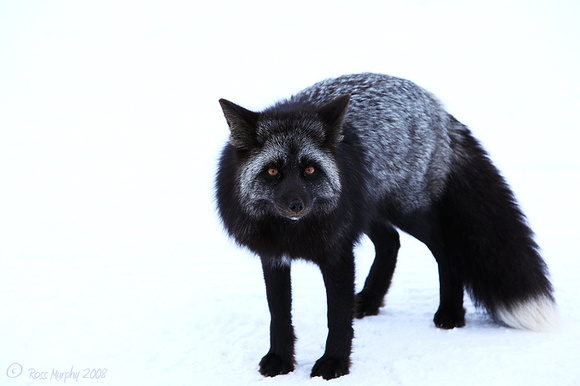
538	314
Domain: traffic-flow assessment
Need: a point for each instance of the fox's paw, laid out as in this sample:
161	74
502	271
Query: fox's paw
366	304
449	319
274	364
329	367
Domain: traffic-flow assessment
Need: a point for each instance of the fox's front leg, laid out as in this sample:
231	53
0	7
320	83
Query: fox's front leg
280	358
339	282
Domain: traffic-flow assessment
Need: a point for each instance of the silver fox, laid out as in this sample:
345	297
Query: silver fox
369	153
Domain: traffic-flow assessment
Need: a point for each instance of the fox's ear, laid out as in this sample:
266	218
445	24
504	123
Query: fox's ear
332	115
242	124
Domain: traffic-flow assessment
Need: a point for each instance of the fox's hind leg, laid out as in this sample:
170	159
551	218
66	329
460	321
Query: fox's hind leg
451	313
426	226
386	240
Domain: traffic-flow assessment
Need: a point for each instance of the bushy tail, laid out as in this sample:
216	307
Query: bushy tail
491	243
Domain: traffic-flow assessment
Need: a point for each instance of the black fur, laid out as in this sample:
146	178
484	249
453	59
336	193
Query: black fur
326	240
468	217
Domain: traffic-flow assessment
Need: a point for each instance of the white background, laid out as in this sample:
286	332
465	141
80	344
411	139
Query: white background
112	256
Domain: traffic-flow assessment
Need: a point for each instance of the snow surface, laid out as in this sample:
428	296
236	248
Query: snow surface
112	254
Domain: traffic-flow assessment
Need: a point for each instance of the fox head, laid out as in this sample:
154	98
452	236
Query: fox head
286	157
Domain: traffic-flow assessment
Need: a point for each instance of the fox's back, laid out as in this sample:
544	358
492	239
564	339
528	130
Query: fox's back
403	131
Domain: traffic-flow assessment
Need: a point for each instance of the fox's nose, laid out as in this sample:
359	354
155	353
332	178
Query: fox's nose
296	206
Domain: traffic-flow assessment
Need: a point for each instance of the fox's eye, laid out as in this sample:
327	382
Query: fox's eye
309	170
273	171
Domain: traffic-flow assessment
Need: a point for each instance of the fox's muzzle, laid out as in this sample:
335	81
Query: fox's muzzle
293	200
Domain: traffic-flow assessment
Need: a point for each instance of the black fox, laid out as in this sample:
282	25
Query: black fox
370	153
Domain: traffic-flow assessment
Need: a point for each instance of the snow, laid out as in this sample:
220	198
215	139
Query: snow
112	254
